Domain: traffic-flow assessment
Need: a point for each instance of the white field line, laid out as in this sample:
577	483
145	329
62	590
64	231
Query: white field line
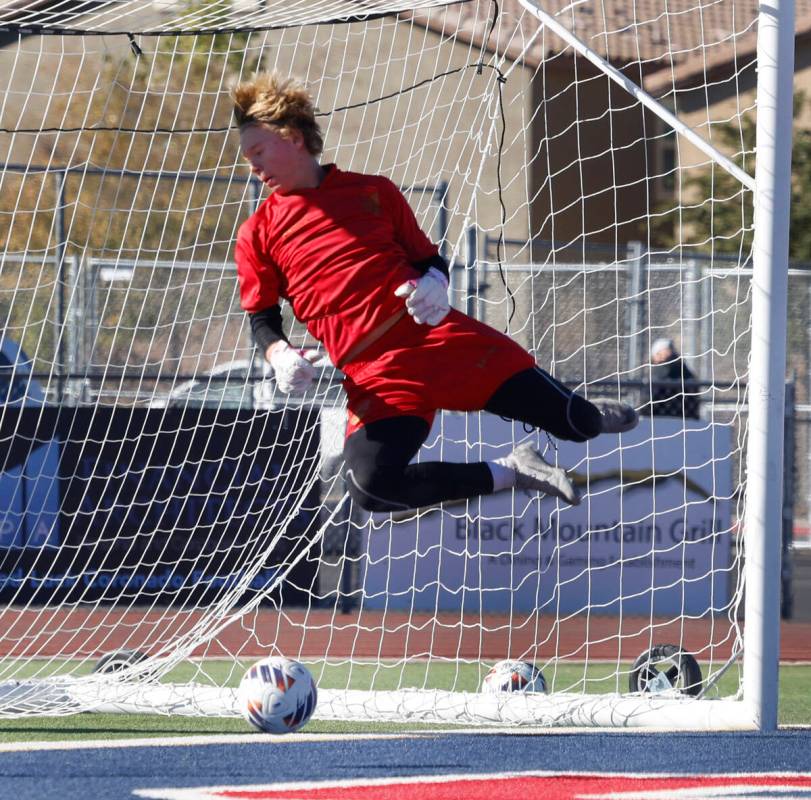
297	738
189	741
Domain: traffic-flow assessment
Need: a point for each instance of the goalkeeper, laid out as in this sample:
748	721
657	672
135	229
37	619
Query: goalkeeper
347	253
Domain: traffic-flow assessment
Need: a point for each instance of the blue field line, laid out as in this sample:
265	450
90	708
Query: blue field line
111	773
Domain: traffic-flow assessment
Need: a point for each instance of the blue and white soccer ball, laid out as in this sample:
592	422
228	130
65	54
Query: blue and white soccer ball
277	695
513	676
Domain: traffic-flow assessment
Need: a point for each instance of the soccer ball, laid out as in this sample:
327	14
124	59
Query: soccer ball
277	695
513	676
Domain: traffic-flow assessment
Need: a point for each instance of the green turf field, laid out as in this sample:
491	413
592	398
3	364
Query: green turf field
795	698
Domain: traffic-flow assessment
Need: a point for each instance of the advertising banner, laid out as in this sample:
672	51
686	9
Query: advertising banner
652	535
151	505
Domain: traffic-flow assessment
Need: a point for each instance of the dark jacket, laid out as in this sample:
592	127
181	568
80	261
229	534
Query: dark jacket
674	390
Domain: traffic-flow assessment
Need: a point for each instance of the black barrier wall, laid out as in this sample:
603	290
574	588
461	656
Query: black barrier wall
148	506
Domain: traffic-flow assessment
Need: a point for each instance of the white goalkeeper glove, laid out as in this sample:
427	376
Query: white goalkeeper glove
426	298
293	368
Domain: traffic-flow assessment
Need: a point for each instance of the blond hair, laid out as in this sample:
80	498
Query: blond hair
272	99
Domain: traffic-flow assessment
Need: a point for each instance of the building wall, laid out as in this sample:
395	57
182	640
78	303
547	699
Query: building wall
446	130
595	165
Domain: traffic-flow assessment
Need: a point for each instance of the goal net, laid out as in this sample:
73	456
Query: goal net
168	516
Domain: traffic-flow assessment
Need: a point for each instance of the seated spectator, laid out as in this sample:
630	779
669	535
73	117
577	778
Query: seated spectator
674	389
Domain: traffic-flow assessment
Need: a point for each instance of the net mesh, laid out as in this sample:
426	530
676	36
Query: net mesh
162	498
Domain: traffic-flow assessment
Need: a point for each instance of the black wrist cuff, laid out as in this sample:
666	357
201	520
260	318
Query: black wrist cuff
437	262
267	327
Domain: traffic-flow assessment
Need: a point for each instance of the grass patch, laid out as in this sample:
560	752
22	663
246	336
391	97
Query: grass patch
795	697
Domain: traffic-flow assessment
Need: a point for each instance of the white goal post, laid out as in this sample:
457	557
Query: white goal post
766	402
589	170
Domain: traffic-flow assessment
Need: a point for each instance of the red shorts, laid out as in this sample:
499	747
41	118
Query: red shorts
415	370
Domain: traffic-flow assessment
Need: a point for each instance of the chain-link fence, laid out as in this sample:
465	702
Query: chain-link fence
592	316
100	330
135	298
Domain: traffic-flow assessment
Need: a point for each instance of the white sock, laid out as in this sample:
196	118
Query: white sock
503	477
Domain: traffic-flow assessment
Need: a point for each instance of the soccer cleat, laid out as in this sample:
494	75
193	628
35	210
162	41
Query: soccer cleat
533	473
617	417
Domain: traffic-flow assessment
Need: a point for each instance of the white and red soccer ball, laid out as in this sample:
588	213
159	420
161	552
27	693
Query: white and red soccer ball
277	695
513	676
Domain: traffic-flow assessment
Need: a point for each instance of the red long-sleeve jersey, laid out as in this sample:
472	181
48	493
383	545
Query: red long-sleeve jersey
336	253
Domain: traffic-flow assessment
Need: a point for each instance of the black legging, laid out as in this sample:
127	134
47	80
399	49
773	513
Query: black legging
380	478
